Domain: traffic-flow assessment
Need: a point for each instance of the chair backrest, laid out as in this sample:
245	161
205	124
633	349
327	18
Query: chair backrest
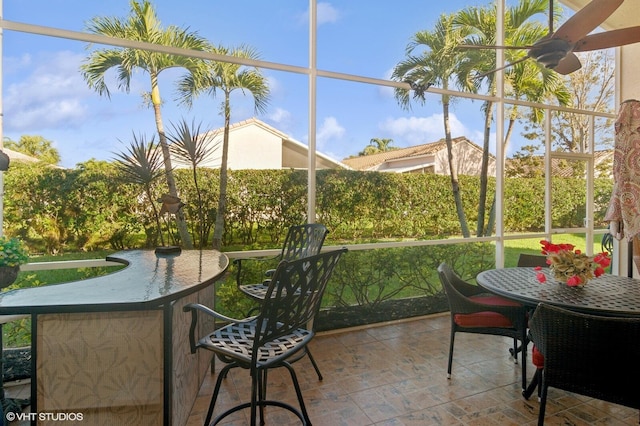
303	241
456	289
294	295
532	260
590	355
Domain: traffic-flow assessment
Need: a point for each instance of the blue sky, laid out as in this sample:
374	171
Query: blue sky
44	93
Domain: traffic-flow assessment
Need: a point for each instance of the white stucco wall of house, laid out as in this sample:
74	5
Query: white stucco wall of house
251	147
254	145
468	161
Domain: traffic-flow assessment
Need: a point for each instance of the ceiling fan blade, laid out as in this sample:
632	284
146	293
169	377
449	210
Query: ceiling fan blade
586	20
568	64
484	74
608	39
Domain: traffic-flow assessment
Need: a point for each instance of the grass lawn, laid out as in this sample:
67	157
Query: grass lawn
513	248
18	333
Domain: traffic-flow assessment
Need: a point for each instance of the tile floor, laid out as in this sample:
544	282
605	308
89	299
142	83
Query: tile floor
395	374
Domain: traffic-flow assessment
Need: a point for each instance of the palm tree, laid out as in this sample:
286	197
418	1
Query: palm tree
434	64
143	25
526	80
226	77
377	145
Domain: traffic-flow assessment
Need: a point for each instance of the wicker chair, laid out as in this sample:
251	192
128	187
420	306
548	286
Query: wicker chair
473	310
301	241
272	338
533	260
529	260
586	354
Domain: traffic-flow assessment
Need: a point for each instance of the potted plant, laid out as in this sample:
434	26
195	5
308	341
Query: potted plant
13	253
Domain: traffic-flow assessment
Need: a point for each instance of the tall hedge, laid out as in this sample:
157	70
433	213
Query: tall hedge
91	207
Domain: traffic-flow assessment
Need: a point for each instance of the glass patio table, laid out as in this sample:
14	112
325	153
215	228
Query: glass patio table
606	295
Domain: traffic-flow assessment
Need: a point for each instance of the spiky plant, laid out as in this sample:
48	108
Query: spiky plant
142	164
193	146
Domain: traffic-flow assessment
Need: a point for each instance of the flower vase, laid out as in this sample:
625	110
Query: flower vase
8	275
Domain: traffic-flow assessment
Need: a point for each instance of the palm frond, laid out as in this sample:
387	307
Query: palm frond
141	163
191	144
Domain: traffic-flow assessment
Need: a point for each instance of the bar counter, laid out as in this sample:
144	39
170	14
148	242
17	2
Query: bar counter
116	348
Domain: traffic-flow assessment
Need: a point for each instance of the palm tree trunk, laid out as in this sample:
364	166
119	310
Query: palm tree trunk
155	212
218	230
200	226
181	223
484	171
453	170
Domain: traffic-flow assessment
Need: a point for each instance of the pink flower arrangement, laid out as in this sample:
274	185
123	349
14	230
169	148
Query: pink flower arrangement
571	266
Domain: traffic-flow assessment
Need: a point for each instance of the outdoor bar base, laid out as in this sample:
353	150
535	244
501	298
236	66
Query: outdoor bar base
115	349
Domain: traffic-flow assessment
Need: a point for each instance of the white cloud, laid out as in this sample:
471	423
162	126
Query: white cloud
279	116
48	92
47	114
281	119
326	14
13	63
275	87
329	131
51	95
420	130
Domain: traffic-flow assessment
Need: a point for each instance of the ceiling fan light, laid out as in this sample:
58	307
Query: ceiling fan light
551	59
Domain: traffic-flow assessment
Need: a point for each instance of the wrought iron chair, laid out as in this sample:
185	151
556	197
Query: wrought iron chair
532	260
473	310
269	340
606	245
587	354
301	241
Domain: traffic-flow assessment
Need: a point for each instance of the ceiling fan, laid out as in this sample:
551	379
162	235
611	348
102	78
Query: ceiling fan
556	50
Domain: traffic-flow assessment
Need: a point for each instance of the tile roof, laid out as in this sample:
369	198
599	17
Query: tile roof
367	162
18	156
560	167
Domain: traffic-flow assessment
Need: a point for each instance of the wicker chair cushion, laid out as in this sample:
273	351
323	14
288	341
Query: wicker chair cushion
488	318
482	320
537	358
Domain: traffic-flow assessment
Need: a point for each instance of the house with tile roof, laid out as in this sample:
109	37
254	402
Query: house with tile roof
18	156
253	144
425	158
534	166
